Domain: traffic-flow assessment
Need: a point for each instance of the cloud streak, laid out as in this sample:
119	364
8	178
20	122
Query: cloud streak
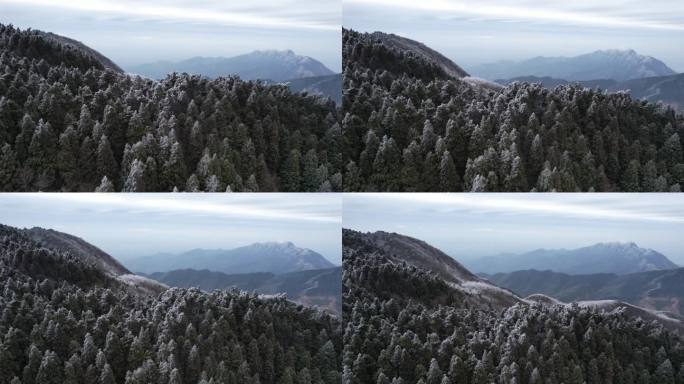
273	207
189	12
540	12
609	207
132	225
475	225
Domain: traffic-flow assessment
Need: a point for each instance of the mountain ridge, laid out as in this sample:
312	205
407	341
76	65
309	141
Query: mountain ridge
401	249
619	65
70	243
607	257
401	43
275	65
53	48
275	257
49	249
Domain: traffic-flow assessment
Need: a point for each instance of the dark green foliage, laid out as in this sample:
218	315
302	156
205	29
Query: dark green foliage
66	122
400	329
46	49
518	138
64	321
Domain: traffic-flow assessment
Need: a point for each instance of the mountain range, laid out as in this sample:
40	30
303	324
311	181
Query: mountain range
258	65
618	65
613	257
273	257
661	290
319	287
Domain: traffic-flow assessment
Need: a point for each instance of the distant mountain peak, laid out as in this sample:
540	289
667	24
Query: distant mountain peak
274	52
275	245
623	52
606	257
268	256
618	244
610	64
265	64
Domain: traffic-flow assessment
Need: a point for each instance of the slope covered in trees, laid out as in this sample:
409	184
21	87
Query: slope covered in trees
409	125
320	287
65	320
69	124
405	324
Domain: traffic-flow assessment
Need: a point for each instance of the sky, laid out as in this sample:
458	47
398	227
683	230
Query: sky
467	226
134	225
132	32
472	32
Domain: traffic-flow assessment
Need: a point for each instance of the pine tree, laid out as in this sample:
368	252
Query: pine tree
449	181
135	182
106	165
105	185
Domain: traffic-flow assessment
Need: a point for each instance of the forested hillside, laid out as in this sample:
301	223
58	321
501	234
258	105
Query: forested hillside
63	319
69	124
409	125
407	325
319	287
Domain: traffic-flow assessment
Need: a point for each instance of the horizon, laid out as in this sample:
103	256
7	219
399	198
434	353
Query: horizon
132	227
134	33
471	34
473	226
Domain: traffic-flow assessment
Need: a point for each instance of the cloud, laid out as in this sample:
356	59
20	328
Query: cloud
610	15
276	207
322	16
617	207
